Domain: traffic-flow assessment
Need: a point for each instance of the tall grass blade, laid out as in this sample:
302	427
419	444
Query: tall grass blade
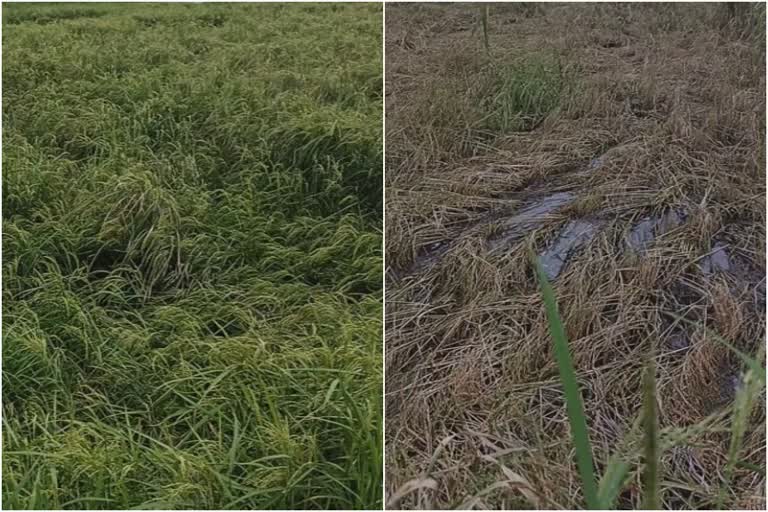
651	439
574	406
486	42
751	467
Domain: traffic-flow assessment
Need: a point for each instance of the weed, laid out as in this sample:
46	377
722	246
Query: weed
518	96
573	400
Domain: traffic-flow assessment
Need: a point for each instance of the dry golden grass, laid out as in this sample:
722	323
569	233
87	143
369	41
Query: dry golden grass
672	101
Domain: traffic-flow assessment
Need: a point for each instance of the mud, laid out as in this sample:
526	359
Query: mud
732	384
432	253
641	235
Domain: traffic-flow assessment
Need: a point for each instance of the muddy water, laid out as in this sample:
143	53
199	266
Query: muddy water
716	261
574	235
596	163
528	219
514	227
642	234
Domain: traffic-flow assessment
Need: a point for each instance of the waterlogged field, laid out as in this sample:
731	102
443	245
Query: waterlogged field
191	256
623	146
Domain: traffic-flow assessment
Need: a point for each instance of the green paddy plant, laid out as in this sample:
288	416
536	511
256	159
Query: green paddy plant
192	256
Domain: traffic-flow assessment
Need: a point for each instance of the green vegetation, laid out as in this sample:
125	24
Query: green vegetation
520	95
192	256
571	393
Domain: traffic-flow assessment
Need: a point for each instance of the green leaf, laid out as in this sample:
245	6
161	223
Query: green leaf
612	482
574	406
752	467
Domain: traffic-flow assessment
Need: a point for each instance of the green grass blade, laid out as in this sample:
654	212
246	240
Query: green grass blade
651	494
575	408
486	42
615	475
751	467
612	482
742	408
